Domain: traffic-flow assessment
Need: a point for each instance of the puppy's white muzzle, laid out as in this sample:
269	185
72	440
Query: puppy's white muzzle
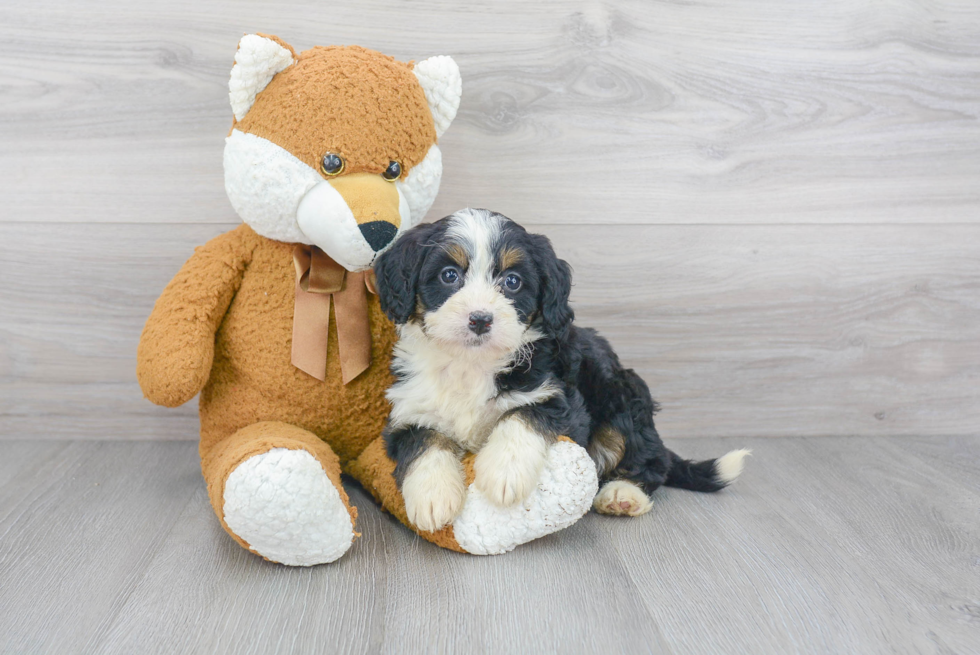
453	322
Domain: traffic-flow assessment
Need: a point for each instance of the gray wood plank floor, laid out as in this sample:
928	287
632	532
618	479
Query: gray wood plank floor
826	545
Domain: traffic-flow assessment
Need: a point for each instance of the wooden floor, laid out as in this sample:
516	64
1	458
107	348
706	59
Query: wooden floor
826	545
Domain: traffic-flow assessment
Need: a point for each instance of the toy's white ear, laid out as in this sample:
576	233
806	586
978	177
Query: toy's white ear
439	77
258	59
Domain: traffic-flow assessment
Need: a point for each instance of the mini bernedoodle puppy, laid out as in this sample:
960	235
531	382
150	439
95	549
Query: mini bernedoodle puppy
488	361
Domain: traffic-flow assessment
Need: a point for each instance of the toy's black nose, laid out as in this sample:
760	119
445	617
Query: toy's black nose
378	234
480	322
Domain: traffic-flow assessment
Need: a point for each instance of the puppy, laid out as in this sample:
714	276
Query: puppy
488	361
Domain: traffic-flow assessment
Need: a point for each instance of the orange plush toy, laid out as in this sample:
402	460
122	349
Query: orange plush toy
332	155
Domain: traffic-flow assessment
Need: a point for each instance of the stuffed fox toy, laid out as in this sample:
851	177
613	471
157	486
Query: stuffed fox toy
332	155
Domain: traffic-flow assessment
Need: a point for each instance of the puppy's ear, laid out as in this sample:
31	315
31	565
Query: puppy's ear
556	287
398	270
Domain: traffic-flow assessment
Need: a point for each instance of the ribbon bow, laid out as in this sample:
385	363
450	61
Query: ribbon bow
318	279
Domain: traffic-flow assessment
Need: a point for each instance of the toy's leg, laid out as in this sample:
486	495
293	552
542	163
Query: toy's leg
564	494
276	489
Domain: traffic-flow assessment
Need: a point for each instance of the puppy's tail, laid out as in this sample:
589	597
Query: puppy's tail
707	475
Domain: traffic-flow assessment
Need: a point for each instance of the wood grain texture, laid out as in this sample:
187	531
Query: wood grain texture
79	523
739	330
830	111
831	545
844	536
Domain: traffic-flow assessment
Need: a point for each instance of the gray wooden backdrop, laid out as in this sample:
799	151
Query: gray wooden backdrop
772	208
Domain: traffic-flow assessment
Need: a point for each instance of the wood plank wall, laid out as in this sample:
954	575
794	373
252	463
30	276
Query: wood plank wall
772	208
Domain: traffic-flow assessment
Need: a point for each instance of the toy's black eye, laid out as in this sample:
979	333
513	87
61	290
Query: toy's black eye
512	282
393	172
449	275
332	164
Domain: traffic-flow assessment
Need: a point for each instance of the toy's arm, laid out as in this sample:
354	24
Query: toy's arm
173	360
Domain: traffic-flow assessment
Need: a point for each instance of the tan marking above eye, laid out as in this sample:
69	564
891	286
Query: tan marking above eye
458	255
510	257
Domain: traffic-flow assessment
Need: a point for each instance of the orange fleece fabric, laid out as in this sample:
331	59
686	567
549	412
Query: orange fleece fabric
375	111
246	284
223	326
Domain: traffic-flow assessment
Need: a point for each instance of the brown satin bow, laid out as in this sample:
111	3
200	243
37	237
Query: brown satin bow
318	279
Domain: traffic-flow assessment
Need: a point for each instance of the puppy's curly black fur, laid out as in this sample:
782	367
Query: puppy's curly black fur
601	405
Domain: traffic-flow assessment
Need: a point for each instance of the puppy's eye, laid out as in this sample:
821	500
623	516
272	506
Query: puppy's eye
449	275
393	172
332	164
512	282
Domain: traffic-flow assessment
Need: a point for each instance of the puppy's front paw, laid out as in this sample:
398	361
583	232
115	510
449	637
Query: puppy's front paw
509	465
434	490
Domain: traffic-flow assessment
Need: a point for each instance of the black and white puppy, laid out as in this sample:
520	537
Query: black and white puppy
488	361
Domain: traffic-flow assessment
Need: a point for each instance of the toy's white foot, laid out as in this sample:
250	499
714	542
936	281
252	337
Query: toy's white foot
286	508
564	494
622	498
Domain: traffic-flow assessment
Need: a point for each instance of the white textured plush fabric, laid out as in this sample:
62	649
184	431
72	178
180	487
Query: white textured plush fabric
258	59
265	184
421	186
286	508
443	86
564	494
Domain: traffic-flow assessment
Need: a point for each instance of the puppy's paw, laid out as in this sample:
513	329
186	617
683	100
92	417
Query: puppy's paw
509	465
434	490
622	498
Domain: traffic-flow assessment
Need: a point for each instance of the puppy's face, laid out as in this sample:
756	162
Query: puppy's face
475	280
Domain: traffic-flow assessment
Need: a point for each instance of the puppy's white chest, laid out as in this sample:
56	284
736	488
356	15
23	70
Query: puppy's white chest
452	397
477	412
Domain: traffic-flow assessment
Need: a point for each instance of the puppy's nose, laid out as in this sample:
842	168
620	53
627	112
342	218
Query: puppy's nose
378	234
480	322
